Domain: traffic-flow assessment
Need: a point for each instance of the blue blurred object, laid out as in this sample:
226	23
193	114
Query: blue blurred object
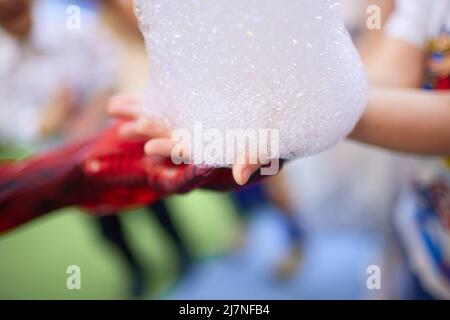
250	197
334	267
91	4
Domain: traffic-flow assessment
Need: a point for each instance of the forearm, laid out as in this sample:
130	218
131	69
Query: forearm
395	63
407	120
56	113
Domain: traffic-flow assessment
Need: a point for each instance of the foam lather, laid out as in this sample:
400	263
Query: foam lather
288	65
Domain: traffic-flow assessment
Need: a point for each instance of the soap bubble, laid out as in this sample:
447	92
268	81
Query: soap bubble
288	65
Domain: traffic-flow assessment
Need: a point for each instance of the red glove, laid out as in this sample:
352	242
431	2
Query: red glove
61	178
102	175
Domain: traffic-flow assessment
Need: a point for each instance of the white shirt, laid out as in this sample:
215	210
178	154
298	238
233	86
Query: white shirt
31	74
416	21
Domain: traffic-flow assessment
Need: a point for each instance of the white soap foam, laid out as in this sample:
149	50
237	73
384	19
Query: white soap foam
255	64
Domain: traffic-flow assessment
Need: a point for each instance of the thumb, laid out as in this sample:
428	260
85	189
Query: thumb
243	172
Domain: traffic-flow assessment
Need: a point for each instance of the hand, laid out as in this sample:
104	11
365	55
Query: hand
103	174
56	112
140	125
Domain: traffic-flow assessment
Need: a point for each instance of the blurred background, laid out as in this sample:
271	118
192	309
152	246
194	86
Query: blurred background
311	233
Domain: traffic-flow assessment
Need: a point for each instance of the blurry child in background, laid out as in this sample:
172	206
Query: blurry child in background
415	53
55	85
52	78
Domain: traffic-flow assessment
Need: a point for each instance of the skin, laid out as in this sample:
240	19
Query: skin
56	112
120	15
406	120
371	38
16	17
395	63
127	107
141	126
399	115
398	119
127	9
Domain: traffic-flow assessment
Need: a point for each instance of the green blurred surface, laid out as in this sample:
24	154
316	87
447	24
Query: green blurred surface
35	257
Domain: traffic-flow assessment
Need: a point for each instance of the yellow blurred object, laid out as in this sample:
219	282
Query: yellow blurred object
290	264
447	162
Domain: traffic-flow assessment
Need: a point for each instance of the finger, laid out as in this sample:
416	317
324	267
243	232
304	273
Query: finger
160	147
178	152
129	131
125	107
243	172
153	128
125	112
128	99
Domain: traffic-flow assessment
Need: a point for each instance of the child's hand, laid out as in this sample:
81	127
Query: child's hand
139	125
56	112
